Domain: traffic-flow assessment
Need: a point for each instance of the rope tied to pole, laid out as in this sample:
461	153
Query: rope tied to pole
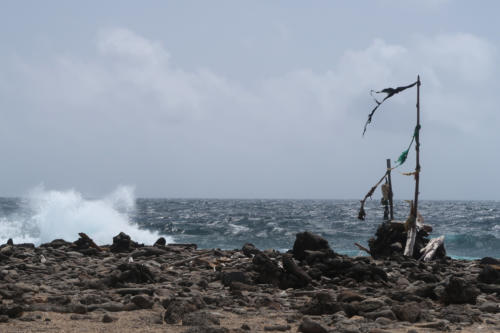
404	155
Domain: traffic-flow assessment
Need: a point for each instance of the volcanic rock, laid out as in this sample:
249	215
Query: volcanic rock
458	291
308	241
123	243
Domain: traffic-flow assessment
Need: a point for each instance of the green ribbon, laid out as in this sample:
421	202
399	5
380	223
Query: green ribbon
404	155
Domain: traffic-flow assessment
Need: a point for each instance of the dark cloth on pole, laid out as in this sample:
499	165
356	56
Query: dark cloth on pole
390	92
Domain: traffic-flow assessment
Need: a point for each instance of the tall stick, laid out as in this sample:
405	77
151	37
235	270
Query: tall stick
412	227
391	207
417	149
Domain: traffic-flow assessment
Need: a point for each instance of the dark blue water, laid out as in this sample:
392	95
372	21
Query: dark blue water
471	228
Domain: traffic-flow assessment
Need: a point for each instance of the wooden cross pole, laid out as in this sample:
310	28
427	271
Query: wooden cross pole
391	207
412	227
417	149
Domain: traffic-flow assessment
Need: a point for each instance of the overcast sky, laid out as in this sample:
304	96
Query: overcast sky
247	99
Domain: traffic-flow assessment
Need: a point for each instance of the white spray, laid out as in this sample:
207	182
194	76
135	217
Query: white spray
63	214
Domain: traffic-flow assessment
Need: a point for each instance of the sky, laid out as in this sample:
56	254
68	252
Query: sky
248	99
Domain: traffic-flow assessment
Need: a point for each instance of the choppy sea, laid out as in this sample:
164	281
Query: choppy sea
471	228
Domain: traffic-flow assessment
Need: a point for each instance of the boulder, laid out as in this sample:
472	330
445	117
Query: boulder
142	301
308	241
179	307
123	243
407	312
490	274
458	291
249	250
320	304
160	242
268	271
130	273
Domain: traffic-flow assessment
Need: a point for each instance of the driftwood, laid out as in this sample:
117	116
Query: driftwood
362	248
411	231
430	249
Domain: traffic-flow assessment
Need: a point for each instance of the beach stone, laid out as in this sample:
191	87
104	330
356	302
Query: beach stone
160	242
387	313
349	296
12	311
309	326
407	312
206	329
458	291
321	303
308	241
369	304
299	278
230	276
249	250
108	319
56	243
177	308
280	328
490	274
122	243
489	261
142	301
490	307
269	271
131	273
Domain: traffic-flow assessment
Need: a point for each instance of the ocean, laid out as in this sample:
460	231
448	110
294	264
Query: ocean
471	228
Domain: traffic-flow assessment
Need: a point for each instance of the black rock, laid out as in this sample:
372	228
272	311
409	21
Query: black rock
268	271
178	308
407	312
249	249
458	291
308	241
490	274
130	273
321	303
123	243
108	319
489	261
142	301
296	277
309	326
160	242
56	243
230	276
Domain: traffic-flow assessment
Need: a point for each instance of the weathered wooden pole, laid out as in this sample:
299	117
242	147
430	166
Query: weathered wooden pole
411	233
417	149
391	207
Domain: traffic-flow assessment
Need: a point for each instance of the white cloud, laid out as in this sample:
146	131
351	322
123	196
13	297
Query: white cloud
133	94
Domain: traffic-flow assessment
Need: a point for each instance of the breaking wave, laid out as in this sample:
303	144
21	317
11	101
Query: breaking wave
49	215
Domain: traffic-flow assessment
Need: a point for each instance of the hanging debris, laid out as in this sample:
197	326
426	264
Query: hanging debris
362	213
390	92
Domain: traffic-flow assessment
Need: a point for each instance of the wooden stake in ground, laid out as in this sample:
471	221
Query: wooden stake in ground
412	232
391	207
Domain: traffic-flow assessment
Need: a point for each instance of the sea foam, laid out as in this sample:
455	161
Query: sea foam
63	214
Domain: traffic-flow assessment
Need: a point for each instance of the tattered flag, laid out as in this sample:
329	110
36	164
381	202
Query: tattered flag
390	92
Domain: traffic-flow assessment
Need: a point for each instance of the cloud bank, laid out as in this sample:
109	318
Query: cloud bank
131	114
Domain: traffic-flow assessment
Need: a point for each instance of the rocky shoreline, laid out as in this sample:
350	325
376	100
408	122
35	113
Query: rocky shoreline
81	287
